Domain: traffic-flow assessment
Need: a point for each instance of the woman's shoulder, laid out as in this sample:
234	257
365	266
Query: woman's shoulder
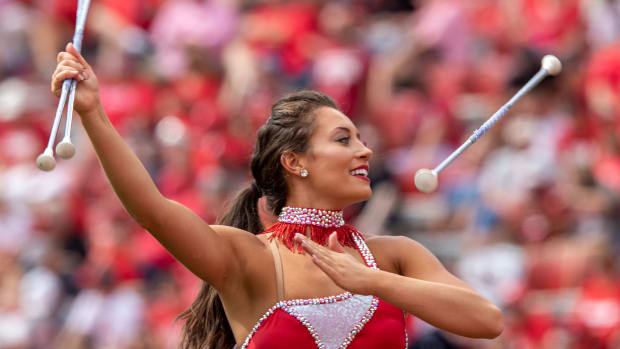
233	232
389	250
242	240
382	248
250	249
253	255
387	241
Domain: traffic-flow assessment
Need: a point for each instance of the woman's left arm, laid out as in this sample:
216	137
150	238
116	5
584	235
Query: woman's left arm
423	286
427	290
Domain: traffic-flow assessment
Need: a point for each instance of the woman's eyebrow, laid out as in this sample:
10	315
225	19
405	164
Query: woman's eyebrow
347	130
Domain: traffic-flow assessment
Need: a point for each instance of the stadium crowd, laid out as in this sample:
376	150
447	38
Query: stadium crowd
529	215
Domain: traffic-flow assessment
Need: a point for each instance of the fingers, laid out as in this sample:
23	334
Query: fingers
72	50
326	267
66	58
312	247
71	54
306	244
61	75
308	247
71	64
68	70
334	244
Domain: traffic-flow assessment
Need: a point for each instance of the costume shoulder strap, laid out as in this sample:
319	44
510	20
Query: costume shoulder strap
278	264
366	253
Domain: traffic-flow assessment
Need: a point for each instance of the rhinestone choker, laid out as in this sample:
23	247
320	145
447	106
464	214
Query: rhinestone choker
318	223
312	216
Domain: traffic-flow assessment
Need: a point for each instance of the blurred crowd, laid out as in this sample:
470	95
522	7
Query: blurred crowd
529	215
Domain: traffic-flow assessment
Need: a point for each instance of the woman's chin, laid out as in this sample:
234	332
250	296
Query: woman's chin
362	196
347	195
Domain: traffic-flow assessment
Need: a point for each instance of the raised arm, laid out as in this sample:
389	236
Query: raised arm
207	251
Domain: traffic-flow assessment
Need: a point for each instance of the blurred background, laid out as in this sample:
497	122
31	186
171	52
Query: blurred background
529	215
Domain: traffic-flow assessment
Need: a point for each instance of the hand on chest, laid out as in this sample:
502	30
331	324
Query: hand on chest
302	278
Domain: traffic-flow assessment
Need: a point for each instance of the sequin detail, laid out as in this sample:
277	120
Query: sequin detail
324	337
365	251
312	216
406	335
335	324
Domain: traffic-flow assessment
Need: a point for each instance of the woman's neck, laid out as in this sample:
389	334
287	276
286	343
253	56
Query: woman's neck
318	204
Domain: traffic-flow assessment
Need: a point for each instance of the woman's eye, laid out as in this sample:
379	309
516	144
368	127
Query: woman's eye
344	140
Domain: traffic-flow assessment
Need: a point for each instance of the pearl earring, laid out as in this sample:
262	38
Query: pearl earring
304	173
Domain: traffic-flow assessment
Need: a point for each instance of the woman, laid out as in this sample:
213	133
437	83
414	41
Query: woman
275	288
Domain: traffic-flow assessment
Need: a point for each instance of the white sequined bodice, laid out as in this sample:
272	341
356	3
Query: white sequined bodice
333	324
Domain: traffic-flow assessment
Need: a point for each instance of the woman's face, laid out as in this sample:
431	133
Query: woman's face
337	161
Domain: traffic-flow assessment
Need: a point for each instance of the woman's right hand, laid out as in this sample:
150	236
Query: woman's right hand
71	65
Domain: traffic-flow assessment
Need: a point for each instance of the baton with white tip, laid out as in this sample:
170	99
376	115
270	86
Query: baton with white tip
65	149
426	180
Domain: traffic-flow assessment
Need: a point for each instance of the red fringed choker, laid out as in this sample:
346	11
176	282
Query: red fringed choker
321	223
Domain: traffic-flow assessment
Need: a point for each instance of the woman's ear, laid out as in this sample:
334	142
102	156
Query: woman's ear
291	162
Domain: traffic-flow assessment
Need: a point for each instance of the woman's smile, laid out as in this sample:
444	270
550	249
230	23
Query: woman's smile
360	172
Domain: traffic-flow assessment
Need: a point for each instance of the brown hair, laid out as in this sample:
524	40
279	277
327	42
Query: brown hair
288	129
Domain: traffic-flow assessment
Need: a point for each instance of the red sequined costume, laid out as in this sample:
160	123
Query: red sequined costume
343	321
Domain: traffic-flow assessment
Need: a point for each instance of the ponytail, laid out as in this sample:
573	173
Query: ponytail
243	213
206	325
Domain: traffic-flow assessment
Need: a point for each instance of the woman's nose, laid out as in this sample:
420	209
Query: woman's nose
365	152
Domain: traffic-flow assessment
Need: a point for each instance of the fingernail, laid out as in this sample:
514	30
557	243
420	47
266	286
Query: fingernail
299	236
80	65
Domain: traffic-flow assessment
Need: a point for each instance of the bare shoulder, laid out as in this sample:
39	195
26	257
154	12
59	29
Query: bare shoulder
392	242
396	251
242	241
232	233
252	288
252	254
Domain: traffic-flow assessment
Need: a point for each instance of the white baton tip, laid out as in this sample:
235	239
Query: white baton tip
45	161
551	64
65	149
426	180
